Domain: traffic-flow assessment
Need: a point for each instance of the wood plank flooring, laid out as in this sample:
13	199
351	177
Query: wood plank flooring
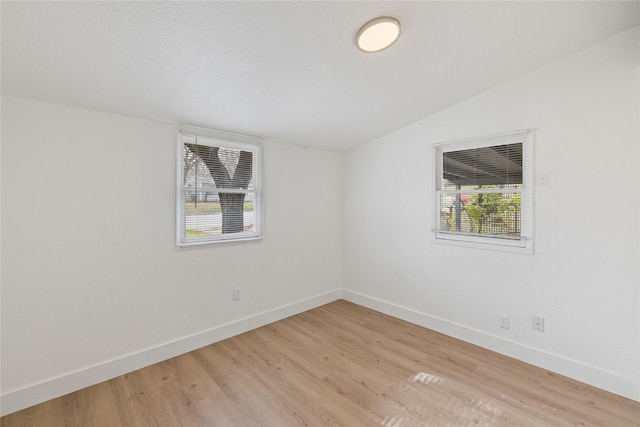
336	365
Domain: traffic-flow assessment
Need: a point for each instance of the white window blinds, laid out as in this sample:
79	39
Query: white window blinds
484	190
219	190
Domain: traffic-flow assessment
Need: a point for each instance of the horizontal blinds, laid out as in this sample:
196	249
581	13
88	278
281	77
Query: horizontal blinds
497	165
484	186
219	190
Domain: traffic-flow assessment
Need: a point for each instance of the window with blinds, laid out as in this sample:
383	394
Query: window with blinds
483	191
219	190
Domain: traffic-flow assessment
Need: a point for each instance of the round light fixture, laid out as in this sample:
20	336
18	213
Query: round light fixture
378	34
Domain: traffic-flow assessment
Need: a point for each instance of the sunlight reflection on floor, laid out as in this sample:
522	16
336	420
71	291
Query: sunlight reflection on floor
438	402
424	378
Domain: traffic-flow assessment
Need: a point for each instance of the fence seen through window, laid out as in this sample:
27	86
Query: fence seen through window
481	190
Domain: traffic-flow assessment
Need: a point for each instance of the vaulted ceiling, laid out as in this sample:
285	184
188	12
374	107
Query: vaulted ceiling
287	71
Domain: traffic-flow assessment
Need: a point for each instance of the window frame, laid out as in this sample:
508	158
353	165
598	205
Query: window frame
523	244
222	140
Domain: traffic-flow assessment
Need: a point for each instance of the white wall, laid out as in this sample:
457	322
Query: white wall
92	282
104	291
583	278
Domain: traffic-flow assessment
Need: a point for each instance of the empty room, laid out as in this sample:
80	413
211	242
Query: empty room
283	213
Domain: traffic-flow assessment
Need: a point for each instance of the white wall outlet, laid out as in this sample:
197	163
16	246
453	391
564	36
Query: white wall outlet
538	323
236	294
503	321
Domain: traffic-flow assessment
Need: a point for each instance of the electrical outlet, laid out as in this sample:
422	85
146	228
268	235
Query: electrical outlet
503	321
236	294
538	323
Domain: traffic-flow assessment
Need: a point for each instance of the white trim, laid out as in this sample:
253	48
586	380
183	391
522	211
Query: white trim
218	134
524	244
228	140
483	141
18	399
15	400
511	239
248	145
483	191
606	380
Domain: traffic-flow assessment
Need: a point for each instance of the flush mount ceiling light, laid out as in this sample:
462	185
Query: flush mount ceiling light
378	34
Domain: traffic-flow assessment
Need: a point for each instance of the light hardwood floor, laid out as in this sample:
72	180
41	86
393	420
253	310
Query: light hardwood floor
339	365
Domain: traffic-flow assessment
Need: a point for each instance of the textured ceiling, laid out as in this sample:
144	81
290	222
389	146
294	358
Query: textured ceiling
286	71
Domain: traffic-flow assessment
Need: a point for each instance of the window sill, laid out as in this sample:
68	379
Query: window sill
484	243
217	242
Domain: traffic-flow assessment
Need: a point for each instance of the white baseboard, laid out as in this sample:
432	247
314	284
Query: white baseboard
25	397
597	377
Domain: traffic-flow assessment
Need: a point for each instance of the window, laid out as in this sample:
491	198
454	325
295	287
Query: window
219	190
483	192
